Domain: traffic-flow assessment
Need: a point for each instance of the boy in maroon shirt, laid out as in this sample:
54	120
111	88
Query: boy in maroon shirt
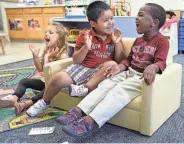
94	51
147	57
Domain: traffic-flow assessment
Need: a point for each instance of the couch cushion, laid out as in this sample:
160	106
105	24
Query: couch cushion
135	104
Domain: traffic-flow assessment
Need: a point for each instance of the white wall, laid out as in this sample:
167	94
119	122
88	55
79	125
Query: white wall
167	4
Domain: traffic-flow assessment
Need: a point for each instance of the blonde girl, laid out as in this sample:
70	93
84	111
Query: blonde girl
56	49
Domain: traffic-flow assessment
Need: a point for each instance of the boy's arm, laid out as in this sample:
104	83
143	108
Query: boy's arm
118	44
161	55
119	52
82	46
159	64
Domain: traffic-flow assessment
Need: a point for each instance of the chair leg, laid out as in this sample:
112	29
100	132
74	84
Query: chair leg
2	44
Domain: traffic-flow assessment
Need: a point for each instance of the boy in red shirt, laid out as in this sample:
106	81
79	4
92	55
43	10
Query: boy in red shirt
147	57
93	49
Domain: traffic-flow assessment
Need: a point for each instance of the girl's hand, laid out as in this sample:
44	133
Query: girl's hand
87	40
52	54
116	36
35	51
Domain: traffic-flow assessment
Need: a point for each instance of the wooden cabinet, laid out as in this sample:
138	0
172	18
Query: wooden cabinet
32	11
49	13
47	18
34	27
30	23
55	10
16	23
14	11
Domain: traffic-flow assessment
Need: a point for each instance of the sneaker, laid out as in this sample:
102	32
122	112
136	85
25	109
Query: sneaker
78	128
78	90
37	108
70	117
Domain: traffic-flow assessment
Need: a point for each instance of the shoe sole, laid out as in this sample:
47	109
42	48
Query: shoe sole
61	122
64	128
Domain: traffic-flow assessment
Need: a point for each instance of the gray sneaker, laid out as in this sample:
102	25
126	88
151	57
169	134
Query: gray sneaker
78	90
37	108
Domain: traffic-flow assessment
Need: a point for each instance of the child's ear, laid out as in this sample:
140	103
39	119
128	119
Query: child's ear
92	23
156	22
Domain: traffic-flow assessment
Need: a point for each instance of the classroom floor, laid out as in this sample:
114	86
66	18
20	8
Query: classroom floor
18	51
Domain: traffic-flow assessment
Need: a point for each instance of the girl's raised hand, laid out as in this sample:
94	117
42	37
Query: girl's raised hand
35	51
52	54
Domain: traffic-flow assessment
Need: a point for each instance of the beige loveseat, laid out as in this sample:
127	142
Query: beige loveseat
147	112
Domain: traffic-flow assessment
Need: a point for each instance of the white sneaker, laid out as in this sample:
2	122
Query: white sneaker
37	108
80	91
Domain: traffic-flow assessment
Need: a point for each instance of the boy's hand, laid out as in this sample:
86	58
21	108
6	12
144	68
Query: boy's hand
113	70
34	50
87	40
116	36
52	54
150	73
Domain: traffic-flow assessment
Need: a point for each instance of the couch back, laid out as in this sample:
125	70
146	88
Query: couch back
128	42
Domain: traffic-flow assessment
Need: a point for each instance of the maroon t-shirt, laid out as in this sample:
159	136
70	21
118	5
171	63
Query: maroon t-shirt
146	52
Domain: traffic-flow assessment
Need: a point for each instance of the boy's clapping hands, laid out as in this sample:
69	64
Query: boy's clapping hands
87	40
116	36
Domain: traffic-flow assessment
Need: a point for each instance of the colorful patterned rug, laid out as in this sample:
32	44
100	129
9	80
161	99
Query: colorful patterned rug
9	121
9	78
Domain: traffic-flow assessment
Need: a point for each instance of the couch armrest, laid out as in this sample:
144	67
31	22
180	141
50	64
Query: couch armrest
52	68
161	99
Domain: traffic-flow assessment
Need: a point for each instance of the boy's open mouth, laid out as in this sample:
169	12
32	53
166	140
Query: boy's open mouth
137	25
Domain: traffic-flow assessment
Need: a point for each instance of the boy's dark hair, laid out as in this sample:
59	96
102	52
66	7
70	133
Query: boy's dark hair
170	13
157	12
95	9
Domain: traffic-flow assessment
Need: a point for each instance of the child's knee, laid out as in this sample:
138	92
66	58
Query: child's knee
61	79
58	78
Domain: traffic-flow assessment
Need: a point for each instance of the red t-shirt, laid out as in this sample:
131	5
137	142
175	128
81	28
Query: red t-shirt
100	51
144	53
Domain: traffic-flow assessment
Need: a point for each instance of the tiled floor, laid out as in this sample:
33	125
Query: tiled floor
18	51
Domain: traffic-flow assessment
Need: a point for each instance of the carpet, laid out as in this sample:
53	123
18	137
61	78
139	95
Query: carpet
9	78
9	121
172	131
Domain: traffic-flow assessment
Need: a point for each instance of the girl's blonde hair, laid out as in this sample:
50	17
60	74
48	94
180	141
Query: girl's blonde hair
62	42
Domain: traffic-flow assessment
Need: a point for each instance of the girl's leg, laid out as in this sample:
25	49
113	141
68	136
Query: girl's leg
36	84
22	86
26	104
